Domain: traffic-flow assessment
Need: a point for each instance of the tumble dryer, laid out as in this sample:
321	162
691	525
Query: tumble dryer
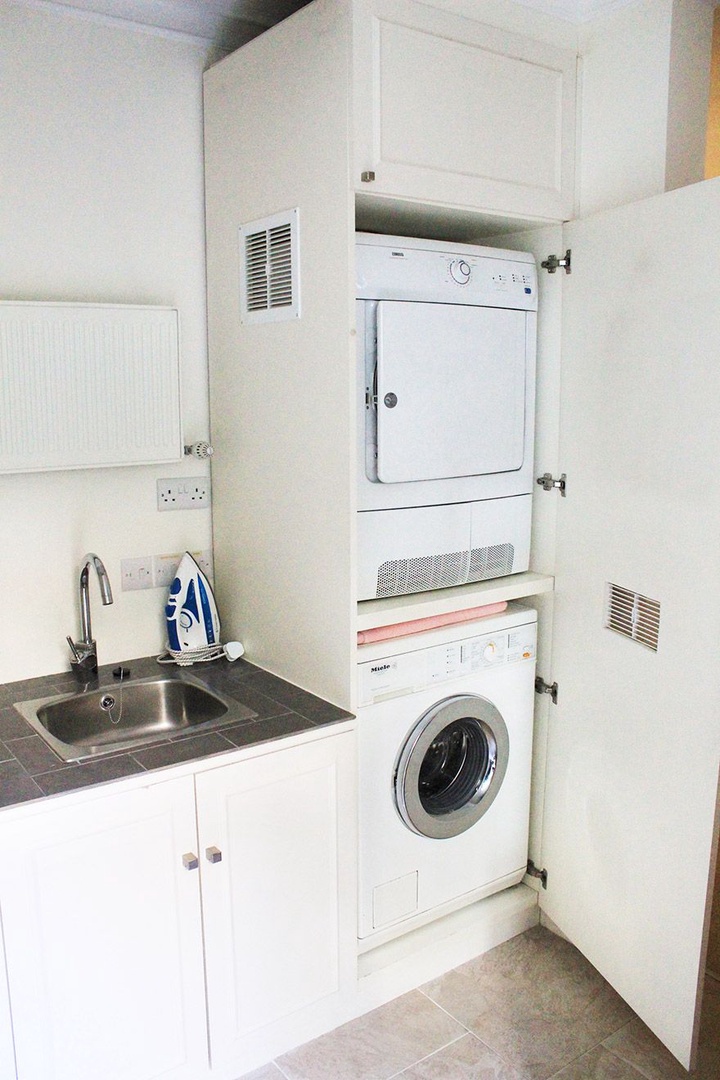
445	747
446	393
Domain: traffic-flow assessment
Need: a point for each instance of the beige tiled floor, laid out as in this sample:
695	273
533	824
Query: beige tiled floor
531	1009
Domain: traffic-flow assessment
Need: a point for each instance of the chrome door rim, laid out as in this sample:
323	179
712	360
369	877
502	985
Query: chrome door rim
484	723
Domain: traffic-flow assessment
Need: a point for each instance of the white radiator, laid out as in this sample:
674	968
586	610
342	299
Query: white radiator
88	385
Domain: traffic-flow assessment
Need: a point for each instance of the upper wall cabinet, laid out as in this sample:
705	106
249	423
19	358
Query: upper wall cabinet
450	111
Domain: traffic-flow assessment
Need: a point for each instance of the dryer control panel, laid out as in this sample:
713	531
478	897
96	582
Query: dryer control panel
397	268
407	672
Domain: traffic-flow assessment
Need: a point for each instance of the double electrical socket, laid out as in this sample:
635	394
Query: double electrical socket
190	493
158	571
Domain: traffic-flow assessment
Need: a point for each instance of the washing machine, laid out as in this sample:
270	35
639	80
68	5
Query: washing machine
445	729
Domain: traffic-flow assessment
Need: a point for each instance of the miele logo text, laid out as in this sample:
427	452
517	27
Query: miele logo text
380	667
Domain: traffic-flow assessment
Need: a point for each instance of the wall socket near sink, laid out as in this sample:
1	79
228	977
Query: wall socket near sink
158	571
188	493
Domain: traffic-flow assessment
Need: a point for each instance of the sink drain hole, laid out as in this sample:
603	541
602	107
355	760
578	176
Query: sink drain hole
108	702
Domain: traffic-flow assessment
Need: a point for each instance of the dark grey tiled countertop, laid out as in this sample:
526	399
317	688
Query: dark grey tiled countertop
29	769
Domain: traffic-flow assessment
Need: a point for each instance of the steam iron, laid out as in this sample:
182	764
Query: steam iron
191	615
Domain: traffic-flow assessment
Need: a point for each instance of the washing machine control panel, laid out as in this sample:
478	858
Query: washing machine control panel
408	672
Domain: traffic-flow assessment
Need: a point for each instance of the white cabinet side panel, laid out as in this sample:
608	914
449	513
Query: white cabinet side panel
634	744
543	242
282	393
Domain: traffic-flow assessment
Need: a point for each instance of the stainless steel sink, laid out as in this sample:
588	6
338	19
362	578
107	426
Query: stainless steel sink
129	714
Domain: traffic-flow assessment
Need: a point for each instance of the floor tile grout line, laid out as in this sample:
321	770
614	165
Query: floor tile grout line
442	1008
595	1046
638	1068
469	1031
426	1057
281	1070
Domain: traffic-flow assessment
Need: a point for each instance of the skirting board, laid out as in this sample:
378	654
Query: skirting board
409	961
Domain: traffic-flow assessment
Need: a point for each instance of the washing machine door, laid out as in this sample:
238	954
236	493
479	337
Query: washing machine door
451	766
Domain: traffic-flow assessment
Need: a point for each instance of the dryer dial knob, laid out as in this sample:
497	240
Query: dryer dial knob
490	651
460	271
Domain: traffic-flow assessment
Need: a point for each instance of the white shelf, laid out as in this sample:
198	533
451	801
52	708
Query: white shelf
396	609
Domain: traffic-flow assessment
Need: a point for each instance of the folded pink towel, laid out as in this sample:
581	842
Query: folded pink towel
416	626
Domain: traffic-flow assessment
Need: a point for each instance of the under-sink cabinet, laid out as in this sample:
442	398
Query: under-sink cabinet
146	924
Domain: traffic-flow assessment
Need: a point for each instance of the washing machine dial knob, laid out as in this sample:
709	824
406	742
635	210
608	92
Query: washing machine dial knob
490	651
460	271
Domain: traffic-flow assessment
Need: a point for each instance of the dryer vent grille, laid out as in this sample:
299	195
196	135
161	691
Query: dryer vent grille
632	615
400	576
269	269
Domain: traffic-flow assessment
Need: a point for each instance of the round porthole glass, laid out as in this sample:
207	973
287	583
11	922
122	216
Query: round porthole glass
451	766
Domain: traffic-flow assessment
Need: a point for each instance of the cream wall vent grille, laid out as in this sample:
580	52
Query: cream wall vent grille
88	385
269	269
632	615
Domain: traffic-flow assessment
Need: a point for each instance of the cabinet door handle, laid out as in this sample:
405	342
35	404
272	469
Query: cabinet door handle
190	861
213	854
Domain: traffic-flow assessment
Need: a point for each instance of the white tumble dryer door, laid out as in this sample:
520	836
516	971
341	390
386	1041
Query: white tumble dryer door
450	390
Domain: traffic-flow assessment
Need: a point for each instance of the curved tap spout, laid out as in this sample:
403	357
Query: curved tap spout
84	661
91	559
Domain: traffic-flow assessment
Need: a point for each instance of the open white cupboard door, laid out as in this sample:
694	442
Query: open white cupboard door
634	741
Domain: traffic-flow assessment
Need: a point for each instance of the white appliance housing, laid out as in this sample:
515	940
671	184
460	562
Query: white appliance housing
445	748
446	386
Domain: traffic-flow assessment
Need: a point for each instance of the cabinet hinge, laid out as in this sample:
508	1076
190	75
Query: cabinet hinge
541	875
547	482
367	177
541	687
552	263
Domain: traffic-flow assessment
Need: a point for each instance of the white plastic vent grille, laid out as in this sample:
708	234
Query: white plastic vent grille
632	615
269	269
400	576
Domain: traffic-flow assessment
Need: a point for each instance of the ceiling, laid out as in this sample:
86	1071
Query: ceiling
226	23
230	23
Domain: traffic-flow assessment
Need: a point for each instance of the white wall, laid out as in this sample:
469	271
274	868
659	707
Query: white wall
624	75
518	18
689	91
101	200
644	84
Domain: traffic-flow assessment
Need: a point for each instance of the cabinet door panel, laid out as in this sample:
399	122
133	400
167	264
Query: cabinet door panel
103	939
271	905
634	741
453	111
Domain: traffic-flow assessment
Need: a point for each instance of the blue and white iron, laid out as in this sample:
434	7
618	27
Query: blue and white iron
193	623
